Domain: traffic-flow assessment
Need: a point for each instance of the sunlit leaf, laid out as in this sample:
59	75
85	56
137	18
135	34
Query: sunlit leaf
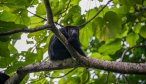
132	38
110	47
85	35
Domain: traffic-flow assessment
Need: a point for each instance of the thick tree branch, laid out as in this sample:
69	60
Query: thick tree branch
119	67
49	12
41	66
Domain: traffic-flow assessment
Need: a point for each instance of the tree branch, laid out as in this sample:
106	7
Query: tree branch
119	67
49	12
41	66
25	30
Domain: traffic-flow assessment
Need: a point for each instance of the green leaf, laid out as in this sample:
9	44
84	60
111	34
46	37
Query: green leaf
75	2
85	34
90	14
122	10
4	38
84	76
7	26
59	7
111	47
40	54
35	22
137	28
100	56
4	51
143	32
99	29
113	22
130	2
12	49
56	73
15	3
30	57
14	66
144	3
22	18
73	17
96	55
7	16
4	61
40	10
71	80
132	38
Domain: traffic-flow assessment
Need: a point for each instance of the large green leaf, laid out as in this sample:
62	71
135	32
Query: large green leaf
132	38
85	35
7	16
99	29
114	24
40	10
20	17
111	47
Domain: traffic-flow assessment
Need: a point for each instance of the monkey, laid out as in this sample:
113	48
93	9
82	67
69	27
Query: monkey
3	78
57	50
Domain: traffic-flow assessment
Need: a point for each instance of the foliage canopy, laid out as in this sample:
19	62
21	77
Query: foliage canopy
117	33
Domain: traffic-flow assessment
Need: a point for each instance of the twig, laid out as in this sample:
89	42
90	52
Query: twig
123	54
66	7
64	74
126	80
107	78
82	25
37	15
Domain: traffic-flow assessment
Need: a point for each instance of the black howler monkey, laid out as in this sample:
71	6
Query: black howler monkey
57	50
3	78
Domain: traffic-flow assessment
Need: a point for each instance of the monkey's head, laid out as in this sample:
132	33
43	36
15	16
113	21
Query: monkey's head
73	32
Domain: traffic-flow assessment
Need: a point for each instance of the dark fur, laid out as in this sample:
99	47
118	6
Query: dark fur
57	50
3	78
